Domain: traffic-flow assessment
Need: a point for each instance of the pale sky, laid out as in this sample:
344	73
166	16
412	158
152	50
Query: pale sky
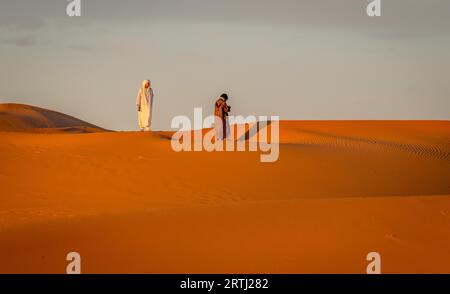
312	59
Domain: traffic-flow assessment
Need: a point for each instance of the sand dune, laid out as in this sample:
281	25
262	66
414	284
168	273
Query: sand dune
27	118
128	203
423	138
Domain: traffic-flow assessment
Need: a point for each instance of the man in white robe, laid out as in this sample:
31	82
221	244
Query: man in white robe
144	103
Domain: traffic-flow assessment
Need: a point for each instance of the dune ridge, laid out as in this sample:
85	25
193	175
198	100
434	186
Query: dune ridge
26	118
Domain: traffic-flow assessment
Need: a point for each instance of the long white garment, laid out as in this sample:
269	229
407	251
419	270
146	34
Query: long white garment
144	102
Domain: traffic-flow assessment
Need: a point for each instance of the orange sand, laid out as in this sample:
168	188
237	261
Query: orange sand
129	204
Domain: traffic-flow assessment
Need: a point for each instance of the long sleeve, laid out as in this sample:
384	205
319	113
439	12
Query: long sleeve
152	95
138	98
226	108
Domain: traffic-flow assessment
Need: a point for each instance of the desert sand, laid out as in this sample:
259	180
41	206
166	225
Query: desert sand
129	204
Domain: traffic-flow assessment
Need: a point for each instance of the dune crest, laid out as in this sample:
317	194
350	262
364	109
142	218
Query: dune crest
32	119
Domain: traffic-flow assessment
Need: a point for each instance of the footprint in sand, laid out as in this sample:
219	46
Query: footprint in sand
140	157
392	236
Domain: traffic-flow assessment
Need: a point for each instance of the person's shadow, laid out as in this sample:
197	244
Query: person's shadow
253	130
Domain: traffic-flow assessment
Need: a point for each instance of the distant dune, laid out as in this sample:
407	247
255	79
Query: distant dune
129	204
27	118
